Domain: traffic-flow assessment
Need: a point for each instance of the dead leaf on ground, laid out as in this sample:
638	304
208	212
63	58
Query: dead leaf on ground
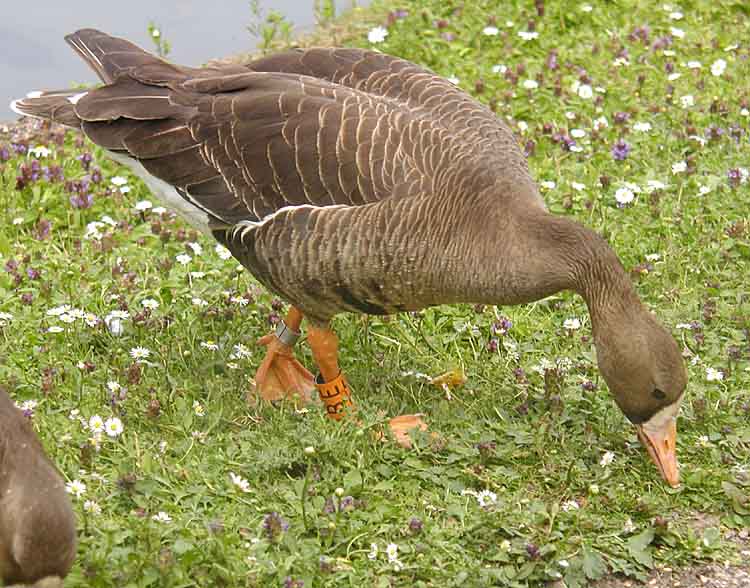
401	425
452	379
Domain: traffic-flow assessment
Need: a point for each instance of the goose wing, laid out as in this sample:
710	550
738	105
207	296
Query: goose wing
417	87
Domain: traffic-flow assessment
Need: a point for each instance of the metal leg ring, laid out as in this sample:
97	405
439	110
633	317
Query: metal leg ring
286	335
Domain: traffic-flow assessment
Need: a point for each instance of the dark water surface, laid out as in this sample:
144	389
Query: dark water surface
34	56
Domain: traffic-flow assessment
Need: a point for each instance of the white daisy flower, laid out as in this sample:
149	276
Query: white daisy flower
570	505
585	91
240	482
607	459
138	353
118	181
92	507
96	424
113	427
530	84
528	35
486	498
241	352
600	123
241	300
654	185
718	67
490	31
222	251
76	488
150	303
183	259
572	324
377	35
624	196
714	375
677	33
162	517
40	151
679	167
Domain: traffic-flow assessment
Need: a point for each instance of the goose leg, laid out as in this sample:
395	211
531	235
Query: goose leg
280	375
331	384
334	390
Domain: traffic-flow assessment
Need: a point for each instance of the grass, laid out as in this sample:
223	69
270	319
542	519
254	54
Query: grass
533	422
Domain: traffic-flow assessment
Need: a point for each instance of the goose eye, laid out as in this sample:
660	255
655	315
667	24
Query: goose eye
658	394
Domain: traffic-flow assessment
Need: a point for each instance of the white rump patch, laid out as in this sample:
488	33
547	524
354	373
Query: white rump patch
76	97
166	193
15	108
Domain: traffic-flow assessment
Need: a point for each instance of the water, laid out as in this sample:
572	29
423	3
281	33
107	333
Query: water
34	56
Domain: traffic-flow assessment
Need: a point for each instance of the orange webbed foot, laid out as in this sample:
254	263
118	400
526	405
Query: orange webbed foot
280	375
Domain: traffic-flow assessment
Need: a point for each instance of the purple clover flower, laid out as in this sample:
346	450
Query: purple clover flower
275	526
81	201
552	60
620	150
621	117
714	132
85	159
734	176
42	229
501	326
661	43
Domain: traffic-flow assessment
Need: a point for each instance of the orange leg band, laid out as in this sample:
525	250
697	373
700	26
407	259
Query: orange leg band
336	397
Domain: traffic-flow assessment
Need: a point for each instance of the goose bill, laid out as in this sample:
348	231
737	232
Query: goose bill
660	440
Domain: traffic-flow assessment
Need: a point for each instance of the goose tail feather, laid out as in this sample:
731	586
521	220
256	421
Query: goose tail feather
56	105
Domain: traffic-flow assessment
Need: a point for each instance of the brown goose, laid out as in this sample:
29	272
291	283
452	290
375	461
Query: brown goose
349	180
37	525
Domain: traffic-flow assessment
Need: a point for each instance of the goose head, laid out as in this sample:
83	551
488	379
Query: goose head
645	372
